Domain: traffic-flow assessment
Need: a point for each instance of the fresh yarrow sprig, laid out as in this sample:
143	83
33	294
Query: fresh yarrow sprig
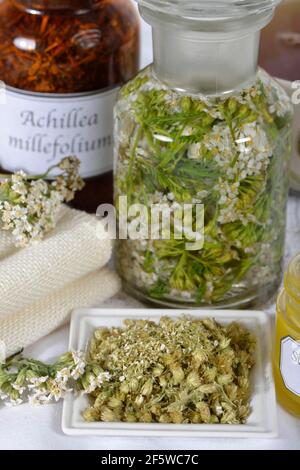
29	205
23	380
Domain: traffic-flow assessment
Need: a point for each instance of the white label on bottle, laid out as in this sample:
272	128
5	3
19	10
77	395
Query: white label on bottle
290	364
37	130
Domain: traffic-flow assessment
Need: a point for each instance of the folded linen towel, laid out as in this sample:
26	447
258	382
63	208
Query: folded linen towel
41	284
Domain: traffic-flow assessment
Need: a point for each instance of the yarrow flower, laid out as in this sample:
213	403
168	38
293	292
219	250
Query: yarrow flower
29	205
96	382
80	364
24	380
37	381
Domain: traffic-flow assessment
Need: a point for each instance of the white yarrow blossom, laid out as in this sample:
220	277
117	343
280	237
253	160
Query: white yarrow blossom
25	380
29	206
37	381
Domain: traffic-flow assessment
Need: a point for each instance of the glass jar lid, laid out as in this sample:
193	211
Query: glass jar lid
210	14
209	9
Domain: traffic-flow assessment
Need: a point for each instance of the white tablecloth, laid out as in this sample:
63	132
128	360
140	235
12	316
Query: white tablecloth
28	427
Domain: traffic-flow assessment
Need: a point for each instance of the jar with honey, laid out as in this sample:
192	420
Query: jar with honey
287	348
61	63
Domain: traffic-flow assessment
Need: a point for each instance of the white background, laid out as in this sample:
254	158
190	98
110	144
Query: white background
28	427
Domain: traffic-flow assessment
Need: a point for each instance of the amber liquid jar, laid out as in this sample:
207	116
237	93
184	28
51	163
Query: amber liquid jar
287	344
62	62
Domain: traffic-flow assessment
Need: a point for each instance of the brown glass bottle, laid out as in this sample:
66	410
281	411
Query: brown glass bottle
280	56
61	62
280	42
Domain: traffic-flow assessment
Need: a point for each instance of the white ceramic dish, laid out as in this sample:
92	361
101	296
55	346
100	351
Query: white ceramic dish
262	421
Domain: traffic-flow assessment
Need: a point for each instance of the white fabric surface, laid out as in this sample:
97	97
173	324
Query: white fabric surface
40	428
67	253
41	284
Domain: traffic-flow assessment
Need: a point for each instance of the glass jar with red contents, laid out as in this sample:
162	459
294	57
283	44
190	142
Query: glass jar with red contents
61	62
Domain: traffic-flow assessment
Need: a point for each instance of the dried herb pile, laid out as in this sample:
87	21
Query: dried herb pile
230	154
177	371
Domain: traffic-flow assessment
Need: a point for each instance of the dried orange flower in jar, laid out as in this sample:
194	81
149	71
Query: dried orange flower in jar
61	62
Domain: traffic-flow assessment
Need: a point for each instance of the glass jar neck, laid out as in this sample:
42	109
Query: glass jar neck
204	62
206	48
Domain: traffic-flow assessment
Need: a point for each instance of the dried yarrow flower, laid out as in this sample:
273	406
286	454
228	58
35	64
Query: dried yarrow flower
178	371
201	375
29	205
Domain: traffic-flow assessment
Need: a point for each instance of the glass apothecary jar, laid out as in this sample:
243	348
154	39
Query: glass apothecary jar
62	62
203	125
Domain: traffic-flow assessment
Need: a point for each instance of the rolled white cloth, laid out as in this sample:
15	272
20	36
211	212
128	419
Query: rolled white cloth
41	284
